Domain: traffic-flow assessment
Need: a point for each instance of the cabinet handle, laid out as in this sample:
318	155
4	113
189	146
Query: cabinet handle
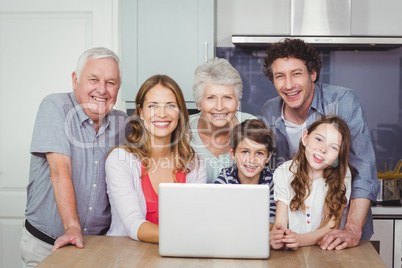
205	51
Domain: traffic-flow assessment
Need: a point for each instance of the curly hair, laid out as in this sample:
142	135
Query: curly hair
292	48
334	174
138	141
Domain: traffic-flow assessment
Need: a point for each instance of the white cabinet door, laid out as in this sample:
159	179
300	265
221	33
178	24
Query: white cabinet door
398	244
40	42
373	17
169	37
383	234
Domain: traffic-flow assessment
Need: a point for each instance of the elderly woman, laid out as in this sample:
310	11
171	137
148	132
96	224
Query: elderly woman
217	91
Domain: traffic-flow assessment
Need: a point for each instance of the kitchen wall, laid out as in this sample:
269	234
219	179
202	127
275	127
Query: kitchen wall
375	76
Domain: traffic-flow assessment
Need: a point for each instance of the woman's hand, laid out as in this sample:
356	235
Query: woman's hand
276	236
291	239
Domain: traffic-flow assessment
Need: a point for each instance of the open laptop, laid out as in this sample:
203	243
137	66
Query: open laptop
214	220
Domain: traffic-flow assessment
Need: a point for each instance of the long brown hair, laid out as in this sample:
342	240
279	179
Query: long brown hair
334	174
138	141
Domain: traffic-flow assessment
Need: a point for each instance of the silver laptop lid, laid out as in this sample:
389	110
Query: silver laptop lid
214	220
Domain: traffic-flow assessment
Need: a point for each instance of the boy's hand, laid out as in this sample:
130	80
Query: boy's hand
276	236
291	239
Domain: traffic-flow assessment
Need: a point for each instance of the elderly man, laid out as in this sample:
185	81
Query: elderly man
72	135
294	68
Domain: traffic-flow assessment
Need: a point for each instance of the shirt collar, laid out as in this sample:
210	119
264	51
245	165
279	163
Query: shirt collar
235	174
317	103
82	116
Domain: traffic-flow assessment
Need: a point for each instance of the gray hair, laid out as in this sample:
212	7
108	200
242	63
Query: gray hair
216	71
95	53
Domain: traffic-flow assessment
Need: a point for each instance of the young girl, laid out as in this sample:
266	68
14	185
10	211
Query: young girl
157	151
312	189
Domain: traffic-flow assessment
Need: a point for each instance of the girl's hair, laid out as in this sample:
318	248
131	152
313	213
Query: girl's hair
216	71
334	174
138	141
252	129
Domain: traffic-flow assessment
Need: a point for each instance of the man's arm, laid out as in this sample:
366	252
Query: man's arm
60	175
365	184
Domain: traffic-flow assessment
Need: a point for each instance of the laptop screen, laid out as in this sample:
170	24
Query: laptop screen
214	220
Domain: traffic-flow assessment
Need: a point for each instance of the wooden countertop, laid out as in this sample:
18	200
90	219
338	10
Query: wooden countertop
116	251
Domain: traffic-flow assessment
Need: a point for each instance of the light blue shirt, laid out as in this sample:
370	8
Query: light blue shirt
213	164
343	102
62	127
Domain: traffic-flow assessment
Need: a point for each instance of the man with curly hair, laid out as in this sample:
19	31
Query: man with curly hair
293	66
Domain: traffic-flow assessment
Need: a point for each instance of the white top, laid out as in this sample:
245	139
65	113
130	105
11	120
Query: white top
294	133
213	164
299	221
127	201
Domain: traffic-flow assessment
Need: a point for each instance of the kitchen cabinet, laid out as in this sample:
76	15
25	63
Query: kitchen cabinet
373	17
169	37
398	244
387	237
253	17
382	239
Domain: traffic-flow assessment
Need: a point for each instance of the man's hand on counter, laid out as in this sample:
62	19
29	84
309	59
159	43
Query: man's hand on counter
350	236
71	236
340	239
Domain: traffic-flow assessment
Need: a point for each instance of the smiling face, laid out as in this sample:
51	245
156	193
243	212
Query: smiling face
218	104
293	82
160	113
250	158
322	148
97	88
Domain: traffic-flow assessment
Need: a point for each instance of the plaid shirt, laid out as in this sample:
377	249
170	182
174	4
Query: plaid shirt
230	175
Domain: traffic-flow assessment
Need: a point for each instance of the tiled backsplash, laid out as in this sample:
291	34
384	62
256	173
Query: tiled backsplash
376	77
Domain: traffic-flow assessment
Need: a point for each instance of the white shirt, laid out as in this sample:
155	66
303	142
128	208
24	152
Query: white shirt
127	201
294	133
299	221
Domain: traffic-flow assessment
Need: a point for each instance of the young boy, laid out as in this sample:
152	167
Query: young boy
251	148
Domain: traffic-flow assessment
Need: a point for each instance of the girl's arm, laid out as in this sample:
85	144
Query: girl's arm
312	238
276	234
